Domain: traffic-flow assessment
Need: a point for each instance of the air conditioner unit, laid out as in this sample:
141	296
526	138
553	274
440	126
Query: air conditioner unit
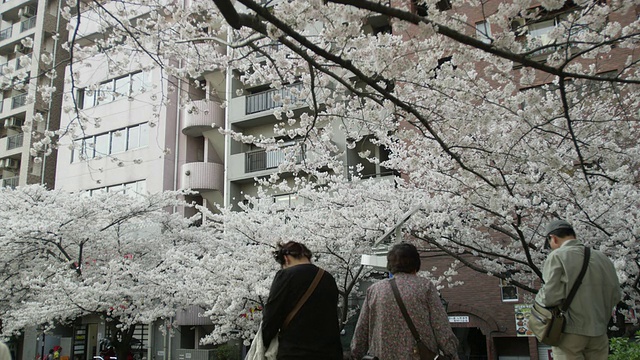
519	26
12	122
18	48
27	11
11	164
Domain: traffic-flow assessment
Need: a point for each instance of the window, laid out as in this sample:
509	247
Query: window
101	147
508	291
144	134
287	200
483	31
140	82
113	142
420	8
80	151
133	138
540	28
122	86
108	91
135	188
105	93
86	98
118	141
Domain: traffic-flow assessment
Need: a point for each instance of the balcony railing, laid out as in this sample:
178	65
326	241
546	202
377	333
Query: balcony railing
5	34
264	100
11	182
264	160
19	100
15	141
30	23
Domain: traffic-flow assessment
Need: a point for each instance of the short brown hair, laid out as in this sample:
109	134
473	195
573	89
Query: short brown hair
403	258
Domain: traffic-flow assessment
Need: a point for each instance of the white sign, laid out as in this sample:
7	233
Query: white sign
458	319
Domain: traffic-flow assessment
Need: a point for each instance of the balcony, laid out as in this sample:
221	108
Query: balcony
19	100
28	24
196	354
15	141
264	160
11	182
202	176
208	115
5	33
263	101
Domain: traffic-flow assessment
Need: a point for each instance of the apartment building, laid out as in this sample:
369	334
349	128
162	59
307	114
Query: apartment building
28	50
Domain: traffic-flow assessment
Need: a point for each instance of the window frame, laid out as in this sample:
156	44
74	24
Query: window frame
504	284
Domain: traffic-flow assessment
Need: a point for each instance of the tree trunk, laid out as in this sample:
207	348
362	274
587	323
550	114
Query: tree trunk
121	339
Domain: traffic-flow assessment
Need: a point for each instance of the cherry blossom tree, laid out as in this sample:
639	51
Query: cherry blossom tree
495	126
70	255
334	230
496	134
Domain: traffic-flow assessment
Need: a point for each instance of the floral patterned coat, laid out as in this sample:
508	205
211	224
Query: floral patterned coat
382	331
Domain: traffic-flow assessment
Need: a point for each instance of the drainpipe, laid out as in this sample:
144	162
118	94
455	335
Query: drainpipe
177	140
227	125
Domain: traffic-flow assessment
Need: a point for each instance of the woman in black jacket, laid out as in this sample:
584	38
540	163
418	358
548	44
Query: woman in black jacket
313	333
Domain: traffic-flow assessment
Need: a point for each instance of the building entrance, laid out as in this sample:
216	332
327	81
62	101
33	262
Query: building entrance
472	343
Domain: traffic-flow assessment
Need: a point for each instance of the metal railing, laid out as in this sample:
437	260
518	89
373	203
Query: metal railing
264	160
30	23
11	182
19	100
264	100
15	141
5	34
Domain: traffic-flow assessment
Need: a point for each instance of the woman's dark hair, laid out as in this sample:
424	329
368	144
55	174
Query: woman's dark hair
291	248
403	258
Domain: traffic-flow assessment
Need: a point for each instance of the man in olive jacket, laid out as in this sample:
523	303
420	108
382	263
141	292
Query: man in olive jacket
585	334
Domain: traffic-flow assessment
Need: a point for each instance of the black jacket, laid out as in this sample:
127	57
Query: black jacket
313	333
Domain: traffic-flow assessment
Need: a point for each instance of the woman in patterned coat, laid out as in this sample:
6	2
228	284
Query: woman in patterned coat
381	329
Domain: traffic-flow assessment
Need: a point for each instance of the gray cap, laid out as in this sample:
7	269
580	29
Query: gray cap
556	225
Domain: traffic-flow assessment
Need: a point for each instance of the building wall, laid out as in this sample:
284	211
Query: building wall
478	303
153	163
38	21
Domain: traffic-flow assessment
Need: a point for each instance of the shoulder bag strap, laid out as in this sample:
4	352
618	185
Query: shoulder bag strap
403	309
303	299
576	285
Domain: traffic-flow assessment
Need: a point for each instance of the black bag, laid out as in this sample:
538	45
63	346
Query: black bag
547	324
425	352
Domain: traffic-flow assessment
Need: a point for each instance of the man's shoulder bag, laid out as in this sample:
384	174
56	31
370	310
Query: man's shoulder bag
547	324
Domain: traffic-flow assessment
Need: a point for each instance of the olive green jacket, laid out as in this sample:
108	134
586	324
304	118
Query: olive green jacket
592	306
